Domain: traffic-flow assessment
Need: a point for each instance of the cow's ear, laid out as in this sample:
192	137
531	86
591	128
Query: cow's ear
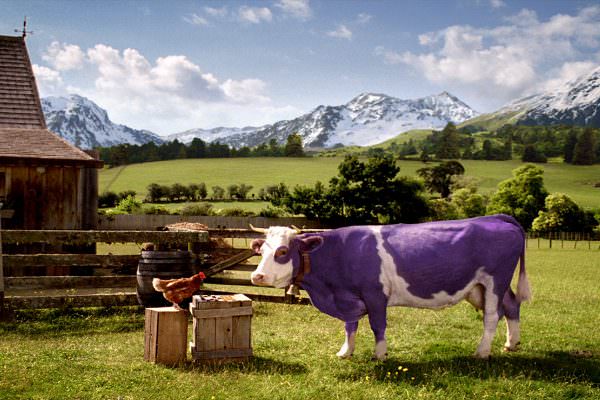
312	243
256	244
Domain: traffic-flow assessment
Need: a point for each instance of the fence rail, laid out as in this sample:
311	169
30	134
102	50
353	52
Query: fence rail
81	280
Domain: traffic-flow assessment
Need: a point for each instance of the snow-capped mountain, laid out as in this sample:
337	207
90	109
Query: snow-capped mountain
576	102
83	123
367	119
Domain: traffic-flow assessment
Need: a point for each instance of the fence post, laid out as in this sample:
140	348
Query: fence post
1	272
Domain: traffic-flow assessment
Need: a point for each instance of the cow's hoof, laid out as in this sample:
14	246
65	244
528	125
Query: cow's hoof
344	356
509	349
382	357
482	356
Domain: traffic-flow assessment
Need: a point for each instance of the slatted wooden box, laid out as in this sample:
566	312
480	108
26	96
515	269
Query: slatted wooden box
165	335
221	328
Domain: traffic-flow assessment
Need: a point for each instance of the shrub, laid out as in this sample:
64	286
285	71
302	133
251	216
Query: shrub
273	212
236	212
198	209
107	199
155	210
126	193
129	205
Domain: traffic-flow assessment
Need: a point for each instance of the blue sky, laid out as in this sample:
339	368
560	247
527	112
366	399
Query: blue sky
168	66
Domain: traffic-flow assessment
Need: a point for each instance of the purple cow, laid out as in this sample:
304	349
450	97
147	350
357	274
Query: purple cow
360	270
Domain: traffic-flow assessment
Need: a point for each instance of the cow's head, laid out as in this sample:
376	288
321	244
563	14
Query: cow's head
281	253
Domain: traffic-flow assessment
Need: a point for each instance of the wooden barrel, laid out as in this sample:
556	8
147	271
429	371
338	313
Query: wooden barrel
162	265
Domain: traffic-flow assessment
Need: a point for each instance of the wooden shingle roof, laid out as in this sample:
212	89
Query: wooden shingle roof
22	145
23	133
19	99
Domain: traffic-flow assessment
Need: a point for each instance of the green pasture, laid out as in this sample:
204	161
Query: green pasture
98	353
576	181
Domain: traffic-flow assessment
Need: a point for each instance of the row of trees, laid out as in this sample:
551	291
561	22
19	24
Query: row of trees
124	154
577	145
373	192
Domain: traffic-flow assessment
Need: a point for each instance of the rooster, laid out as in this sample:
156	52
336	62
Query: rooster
176	290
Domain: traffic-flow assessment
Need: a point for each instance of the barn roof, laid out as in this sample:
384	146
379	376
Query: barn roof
22	145
23	132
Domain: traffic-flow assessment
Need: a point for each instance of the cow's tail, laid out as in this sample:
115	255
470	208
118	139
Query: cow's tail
523	288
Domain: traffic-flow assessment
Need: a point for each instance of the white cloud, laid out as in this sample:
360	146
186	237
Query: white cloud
297	8
196	19
568	72
64	56
507	60
47	79
342	32
255	15
363	18
216	12
172	93
497	3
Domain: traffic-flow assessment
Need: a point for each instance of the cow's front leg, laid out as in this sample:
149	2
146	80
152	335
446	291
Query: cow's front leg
348	347
377	320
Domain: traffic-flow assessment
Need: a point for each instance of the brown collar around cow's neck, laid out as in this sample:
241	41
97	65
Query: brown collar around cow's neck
303	270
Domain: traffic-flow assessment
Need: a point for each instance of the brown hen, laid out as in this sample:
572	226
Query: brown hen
176	290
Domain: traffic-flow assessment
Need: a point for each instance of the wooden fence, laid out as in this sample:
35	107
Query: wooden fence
82	280
573	240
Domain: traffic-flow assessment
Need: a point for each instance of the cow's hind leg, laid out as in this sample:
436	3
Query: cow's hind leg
512	312
348	347
490	323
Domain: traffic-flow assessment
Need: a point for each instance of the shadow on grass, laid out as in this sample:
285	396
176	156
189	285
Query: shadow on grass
255	365
557	367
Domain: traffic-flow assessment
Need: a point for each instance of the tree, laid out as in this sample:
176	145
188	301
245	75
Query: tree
439	178
468	202
448	145
362	193
293	146
218	192
569	147
585	152
563	215
243	191
532	154
233	191
155	193
521	196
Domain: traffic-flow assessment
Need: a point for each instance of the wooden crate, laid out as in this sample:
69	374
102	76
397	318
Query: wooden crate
221	328
165	335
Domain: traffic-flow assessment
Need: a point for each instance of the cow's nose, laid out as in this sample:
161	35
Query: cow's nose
257	278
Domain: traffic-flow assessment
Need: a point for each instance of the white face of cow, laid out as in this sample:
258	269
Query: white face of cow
275	268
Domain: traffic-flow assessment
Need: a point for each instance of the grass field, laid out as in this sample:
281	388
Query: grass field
576	181
98	354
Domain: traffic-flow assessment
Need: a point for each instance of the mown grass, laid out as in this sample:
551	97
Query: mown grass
98	354
576	181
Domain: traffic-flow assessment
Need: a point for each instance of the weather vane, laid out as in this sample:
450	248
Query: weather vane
24	31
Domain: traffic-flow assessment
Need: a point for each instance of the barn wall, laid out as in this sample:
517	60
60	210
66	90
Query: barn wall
45	197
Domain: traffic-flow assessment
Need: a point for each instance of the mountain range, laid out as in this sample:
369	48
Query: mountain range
576	102
83	123
368	119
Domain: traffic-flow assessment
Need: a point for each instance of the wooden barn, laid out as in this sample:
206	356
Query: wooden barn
45	182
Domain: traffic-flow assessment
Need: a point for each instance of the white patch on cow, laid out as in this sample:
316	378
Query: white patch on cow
396	288
348	347
513	334
269	272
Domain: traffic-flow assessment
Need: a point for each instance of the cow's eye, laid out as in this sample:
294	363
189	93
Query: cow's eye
281	252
